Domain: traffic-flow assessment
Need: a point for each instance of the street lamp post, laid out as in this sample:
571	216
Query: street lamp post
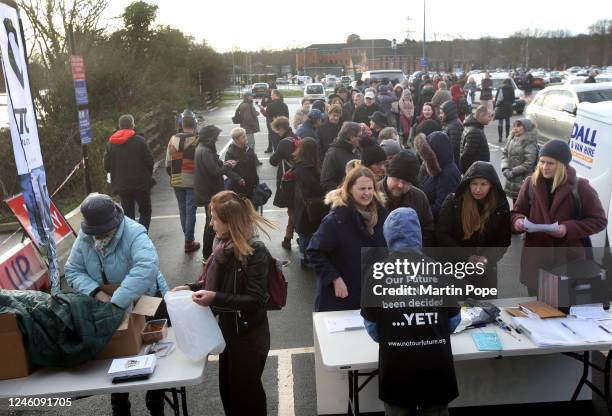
424	39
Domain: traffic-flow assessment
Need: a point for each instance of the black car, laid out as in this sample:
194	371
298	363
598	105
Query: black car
260	89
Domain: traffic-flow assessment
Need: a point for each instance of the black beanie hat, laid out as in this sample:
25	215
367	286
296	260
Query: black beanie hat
372	154
558	150
427	127
404	165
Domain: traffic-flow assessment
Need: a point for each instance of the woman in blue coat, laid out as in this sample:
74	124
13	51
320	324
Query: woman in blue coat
355	221
113	249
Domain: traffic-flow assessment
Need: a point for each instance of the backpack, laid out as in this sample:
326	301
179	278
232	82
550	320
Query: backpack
277	285
237	118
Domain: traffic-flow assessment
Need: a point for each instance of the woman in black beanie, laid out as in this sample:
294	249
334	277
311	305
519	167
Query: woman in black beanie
554	194
373	157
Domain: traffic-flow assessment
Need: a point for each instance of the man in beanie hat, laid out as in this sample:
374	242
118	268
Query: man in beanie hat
180	165
209	179
401	191
114	249
129	162
373	157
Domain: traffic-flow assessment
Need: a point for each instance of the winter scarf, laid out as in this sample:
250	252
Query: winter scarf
222	252
370	216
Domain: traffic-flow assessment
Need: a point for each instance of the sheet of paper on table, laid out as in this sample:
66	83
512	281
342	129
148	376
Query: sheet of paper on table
530	227
346	323
590	311
562	331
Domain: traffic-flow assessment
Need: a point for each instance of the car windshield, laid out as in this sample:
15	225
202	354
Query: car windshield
314	89
388	74
260	86
595	96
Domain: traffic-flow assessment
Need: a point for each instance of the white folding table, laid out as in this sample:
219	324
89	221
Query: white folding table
526	374
172	373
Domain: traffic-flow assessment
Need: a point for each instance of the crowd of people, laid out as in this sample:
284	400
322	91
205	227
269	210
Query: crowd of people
383	165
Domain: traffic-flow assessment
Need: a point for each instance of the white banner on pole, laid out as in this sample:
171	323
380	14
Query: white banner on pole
24	134
22	120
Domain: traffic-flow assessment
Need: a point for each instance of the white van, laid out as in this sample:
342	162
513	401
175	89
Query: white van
591	144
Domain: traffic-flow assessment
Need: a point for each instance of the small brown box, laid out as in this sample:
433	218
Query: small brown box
128	338
154	331
14	361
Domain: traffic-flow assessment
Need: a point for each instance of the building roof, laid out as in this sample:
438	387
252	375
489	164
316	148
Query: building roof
361	43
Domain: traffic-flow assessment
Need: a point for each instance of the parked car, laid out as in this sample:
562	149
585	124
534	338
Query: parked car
260	89
498	78
314	91
393	75
330	81
282	81
345	80
553	110
574	79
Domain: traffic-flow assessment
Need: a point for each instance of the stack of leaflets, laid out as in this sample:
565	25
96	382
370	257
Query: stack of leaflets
132	366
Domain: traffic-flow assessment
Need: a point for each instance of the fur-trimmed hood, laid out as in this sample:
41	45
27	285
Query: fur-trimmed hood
334	199
435	150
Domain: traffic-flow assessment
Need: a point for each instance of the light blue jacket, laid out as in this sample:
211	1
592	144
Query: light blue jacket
131	261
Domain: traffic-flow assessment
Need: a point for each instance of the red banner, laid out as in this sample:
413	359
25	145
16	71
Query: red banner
22	268
61	226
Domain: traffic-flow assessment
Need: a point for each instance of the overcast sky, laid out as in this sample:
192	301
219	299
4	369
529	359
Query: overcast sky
247	25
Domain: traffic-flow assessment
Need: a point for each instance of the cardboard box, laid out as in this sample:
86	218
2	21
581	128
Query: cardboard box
14	361
128	338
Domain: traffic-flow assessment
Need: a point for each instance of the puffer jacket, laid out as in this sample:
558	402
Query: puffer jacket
131	261
474	145
452	127
439	175
519	156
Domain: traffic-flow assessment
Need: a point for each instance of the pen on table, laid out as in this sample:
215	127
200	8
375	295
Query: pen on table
603	328
570	329
506	328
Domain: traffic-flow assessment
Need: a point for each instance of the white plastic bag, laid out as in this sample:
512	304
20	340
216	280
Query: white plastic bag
195	328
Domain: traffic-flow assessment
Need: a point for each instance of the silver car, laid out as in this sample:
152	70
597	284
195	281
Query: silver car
553	110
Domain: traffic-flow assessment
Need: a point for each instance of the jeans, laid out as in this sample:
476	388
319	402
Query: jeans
187	211
251	140
500	127
143	199
423	410
303	241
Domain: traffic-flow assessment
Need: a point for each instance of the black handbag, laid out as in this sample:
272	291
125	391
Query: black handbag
261	194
